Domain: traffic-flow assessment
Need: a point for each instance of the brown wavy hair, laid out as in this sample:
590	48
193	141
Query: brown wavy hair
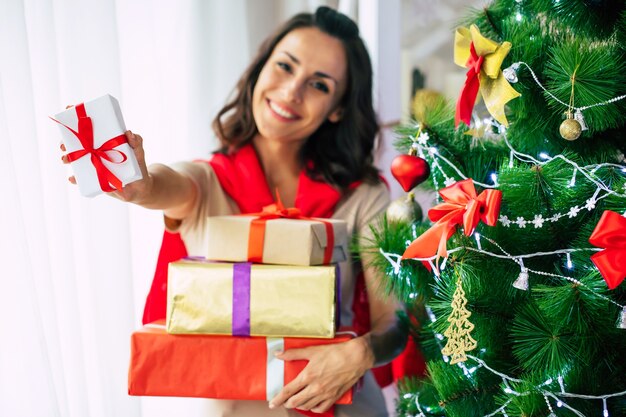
338	153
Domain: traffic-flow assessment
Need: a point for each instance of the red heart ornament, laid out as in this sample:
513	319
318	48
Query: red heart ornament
409	171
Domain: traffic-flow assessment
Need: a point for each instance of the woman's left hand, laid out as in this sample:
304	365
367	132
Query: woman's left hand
331	371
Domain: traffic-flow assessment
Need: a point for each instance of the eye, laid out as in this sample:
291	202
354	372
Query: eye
284	66
321	86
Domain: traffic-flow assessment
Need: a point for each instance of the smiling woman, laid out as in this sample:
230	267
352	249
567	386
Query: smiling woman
298	88
300	125
297	91
338	81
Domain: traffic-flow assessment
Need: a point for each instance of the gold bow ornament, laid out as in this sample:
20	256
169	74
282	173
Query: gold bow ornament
483	58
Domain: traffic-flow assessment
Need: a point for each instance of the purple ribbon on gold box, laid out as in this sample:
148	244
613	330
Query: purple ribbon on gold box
246	299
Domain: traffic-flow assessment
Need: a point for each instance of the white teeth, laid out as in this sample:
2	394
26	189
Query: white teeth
281	112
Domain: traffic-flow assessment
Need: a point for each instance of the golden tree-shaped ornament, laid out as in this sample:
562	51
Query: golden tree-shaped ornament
458	333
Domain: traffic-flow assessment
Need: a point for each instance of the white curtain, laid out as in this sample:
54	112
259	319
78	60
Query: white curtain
74	272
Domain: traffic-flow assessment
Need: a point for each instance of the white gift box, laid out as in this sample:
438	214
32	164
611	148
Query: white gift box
108	123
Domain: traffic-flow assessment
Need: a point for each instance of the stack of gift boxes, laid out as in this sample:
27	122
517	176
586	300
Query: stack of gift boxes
269	283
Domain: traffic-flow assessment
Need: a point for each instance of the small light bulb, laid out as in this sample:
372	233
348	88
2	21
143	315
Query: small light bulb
518	17
477	236
494	178
561	384
573	180
430	313
569	261
544	155
559	403
508	390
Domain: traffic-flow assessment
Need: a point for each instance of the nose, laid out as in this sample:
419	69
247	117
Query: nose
293	89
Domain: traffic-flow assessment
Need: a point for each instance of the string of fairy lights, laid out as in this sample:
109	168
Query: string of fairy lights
558	397
537	220
602	191
510	74
395	261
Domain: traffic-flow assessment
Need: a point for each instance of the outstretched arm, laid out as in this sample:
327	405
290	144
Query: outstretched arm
161	187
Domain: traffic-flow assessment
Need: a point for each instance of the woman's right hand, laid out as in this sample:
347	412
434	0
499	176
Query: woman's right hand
138	192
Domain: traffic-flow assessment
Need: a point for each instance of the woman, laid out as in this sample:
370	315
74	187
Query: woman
300	125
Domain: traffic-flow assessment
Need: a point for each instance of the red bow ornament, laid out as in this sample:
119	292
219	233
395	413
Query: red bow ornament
461	206
610	234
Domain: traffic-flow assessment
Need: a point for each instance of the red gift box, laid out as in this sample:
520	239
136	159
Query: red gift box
219	367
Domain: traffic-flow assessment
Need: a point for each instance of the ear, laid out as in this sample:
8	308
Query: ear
336	115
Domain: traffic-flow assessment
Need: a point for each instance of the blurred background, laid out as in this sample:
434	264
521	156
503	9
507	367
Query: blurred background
75	271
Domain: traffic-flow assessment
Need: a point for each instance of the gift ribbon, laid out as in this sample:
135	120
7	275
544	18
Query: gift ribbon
275	376
337	296
610	234
241	299
276	211
108	181
483	58
461	206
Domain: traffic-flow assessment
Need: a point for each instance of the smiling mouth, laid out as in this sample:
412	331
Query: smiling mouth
285	114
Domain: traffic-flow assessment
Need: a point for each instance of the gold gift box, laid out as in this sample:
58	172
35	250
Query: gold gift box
284	301
287	241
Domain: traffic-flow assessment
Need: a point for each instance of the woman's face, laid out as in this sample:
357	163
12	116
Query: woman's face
300	85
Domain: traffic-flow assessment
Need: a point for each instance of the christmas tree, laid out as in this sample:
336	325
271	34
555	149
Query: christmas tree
516	277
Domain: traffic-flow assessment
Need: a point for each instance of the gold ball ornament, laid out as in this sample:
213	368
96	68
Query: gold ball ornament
404	209
570	129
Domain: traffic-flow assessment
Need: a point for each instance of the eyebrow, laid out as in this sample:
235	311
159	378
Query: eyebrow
316	73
